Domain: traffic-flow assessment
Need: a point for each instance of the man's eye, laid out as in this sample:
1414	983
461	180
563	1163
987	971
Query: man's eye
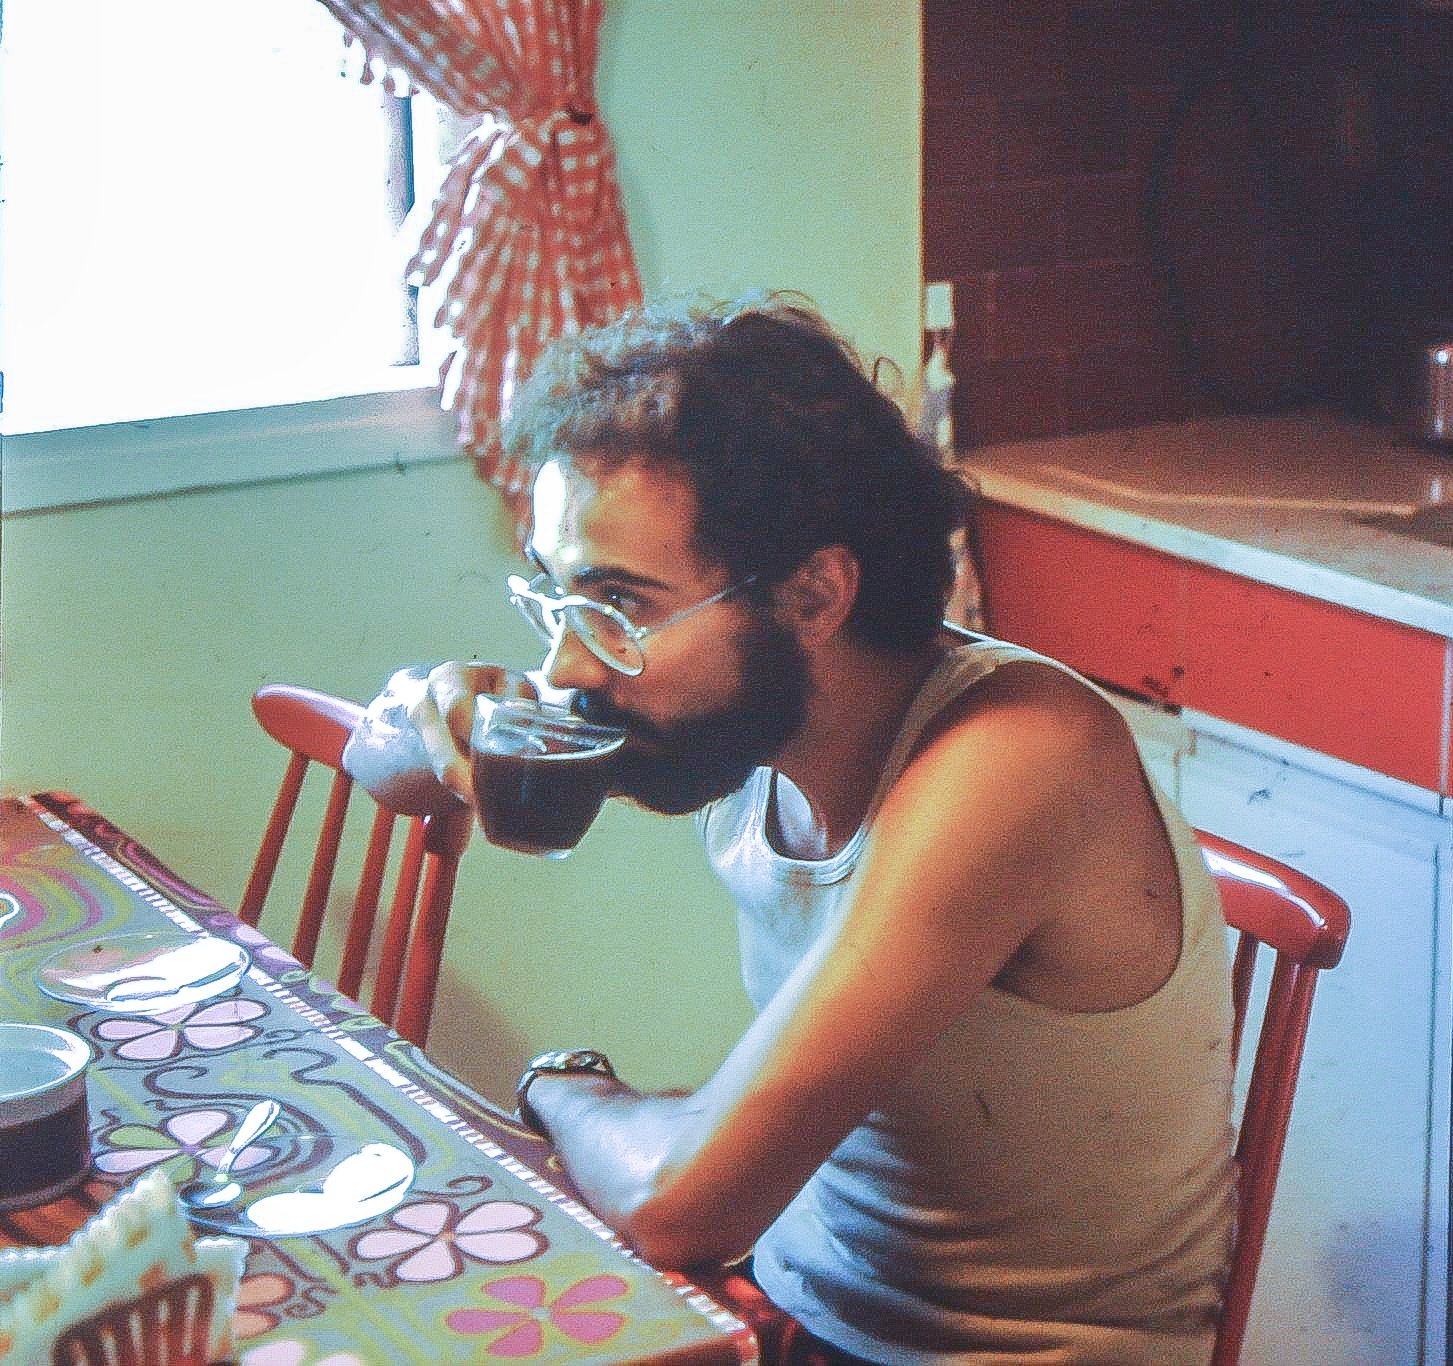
622	599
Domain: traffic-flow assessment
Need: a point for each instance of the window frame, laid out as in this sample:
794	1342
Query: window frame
80	466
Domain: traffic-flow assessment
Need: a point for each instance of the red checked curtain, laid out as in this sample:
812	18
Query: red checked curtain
528	233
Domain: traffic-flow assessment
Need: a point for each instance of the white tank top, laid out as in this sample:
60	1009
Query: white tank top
1045	1186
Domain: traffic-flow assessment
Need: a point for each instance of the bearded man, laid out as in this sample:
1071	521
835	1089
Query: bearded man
982	1114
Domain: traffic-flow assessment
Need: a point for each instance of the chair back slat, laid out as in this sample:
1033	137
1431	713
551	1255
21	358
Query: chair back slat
396	930
1282	1026
320	878
265	865
365	903
1304	926
426	942
315	728
1243	974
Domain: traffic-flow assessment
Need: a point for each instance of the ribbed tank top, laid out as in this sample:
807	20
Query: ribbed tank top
1044	1186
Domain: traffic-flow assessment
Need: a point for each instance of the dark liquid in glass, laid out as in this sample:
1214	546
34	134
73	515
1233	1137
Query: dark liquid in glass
43	1153
539	803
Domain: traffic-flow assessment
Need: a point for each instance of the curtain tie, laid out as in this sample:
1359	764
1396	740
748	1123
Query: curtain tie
562	153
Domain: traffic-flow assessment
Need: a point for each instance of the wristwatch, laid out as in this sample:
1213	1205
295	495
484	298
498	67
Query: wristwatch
557	1060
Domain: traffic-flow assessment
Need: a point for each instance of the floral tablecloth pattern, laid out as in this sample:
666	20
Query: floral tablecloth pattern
489	1257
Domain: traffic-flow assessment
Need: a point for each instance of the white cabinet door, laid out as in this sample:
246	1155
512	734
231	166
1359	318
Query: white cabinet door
1355	1269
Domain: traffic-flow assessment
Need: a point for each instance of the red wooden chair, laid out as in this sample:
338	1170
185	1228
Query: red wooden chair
1305	926
314	727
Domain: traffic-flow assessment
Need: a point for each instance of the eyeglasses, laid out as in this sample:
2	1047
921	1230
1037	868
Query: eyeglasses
606	631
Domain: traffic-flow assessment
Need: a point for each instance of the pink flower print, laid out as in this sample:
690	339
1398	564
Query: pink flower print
135	1146
430	1236
524	1333
291	1352
151	1038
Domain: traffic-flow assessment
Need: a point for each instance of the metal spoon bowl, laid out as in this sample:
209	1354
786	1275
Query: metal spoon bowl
219	1190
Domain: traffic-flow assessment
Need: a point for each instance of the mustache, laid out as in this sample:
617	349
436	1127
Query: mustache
600	710
705	739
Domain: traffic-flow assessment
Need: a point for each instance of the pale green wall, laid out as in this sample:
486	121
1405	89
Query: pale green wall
764	144
760	145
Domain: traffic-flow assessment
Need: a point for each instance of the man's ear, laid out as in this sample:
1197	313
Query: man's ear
815	600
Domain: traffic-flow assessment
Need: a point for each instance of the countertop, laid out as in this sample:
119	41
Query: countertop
1274	498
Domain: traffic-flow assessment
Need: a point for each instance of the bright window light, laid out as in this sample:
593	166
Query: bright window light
201	212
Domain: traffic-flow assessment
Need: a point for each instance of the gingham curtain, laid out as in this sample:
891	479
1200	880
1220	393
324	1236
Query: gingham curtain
529	225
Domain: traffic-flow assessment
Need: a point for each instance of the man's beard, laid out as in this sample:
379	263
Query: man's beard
691	763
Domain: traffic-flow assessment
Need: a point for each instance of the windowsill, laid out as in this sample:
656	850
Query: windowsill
197	395
70	467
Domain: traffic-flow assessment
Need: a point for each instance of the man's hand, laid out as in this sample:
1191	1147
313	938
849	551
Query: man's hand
411	750
441	711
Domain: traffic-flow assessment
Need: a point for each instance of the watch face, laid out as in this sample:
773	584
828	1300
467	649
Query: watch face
571	1060
557	1060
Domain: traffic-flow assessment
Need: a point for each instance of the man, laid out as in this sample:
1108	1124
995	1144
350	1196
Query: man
983	1112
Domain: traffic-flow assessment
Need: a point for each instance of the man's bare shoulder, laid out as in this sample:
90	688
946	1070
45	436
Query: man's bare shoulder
1027	760
1027	710
1024	831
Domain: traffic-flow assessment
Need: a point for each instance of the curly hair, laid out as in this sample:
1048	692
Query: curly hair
782	436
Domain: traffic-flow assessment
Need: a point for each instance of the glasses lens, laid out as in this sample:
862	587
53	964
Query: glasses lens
607	636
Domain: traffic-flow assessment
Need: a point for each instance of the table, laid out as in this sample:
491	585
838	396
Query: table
488	1257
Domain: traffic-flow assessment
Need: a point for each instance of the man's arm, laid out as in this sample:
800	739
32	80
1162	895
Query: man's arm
976	839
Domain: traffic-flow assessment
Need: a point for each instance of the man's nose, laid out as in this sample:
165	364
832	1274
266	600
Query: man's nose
570	664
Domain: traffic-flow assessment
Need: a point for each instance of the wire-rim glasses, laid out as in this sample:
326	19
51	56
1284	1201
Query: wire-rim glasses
606	631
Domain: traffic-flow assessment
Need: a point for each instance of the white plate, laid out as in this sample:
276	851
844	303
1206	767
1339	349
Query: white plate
143	974
311	1183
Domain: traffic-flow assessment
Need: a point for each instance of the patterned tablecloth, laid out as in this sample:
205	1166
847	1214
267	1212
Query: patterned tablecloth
487	1258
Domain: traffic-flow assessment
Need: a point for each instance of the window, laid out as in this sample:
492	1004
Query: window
201	212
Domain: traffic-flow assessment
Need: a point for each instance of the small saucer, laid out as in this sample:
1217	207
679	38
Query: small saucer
143	974
311	1183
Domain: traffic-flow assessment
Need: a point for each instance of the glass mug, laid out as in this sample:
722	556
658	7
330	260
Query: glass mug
541	773
45	1131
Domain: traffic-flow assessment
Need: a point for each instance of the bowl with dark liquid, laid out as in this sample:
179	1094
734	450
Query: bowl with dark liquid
541	773
45	1133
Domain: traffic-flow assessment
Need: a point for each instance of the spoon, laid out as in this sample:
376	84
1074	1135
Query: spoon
219	1190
